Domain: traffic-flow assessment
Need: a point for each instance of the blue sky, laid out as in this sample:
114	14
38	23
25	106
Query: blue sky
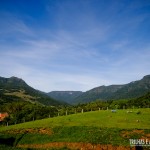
74	44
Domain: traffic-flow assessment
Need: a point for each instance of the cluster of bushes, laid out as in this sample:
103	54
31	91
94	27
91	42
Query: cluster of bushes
25	111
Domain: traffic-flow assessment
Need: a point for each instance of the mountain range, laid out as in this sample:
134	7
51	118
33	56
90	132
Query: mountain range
67	96
14	89
133	89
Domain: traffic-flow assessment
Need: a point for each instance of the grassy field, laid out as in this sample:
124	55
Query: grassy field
97	127
103	118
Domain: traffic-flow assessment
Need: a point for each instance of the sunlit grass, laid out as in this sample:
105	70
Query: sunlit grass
103	118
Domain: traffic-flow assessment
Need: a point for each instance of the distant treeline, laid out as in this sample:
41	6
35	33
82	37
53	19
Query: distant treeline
25	111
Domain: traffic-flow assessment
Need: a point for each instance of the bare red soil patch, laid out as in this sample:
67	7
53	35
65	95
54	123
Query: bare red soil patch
76	146
128	134
31	130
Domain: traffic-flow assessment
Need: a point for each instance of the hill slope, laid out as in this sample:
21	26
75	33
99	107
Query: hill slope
12	89
94	118
131	90
88	130
66	96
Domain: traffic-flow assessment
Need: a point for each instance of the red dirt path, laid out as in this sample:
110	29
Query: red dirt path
76	146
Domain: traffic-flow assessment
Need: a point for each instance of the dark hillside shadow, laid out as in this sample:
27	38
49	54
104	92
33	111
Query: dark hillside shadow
11	141
7	141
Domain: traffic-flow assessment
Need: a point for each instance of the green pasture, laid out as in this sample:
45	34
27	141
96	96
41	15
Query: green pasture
139	119
97	127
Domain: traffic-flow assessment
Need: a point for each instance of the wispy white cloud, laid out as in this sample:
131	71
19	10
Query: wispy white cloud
91	49
12	26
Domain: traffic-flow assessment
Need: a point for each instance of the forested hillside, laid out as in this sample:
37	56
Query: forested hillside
66	96
15	89
113	92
